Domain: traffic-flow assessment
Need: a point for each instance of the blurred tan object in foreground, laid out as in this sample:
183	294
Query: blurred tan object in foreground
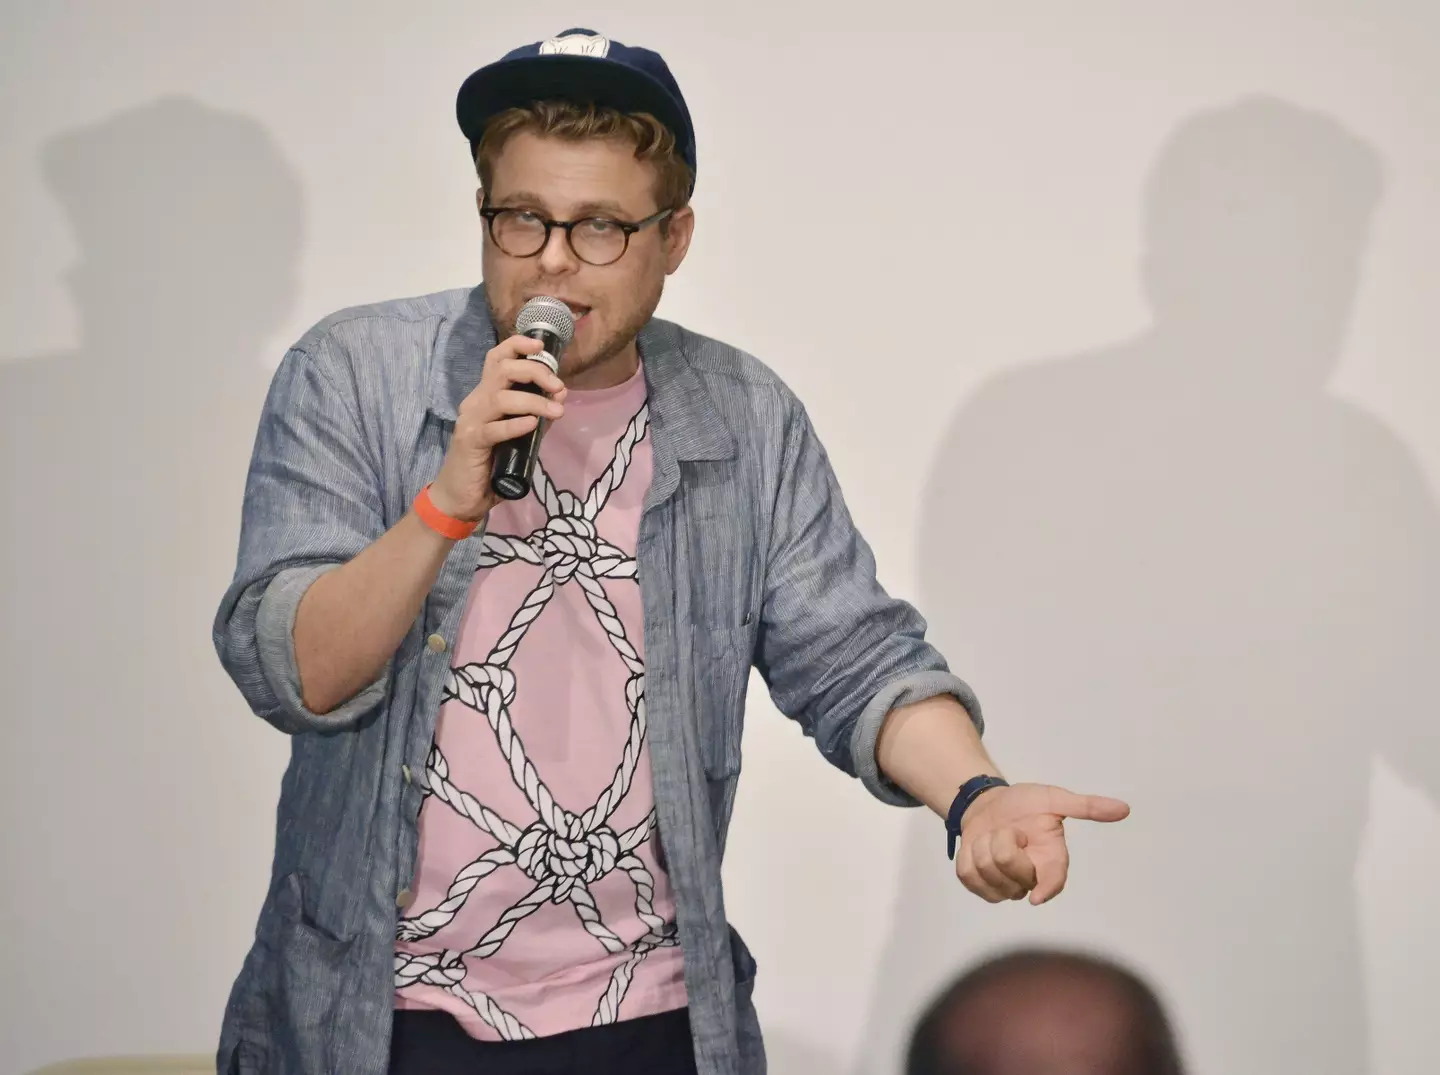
133	1065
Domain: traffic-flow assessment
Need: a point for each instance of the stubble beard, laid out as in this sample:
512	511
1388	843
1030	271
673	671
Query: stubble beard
573	363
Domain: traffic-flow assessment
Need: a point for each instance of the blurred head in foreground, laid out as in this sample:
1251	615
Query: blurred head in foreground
1041	1012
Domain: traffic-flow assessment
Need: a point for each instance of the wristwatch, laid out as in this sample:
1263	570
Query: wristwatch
969	792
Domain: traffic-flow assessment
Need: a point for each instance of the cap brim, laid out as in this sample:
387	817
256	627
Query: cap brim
582	79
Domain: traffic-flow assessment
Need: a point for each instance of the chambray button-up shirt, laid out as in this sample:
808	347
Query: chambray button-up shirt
746	557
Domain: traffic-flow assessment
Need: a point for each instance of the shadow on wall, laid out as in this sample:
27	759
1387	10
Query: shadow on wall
123	464
1179	572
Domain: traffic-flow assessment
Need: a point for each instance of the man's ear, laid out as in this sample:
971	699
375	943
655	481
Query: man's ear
677	237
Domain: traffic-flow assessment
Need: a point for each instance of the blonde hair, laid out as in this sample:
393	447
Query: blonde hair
651	139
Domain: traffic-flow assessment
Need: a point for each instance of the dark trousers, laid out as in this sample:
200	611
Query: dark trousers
433	1043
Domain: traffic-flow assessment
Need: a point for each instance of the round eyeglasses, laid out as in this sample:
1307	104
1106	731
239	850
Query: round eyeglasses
523	233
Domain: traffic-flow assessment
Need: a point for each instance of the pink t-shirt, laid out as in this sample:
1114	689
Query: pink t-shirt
539	904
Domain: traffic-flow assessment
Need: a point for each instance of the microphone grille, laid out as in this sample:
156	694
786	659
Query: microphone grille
544	312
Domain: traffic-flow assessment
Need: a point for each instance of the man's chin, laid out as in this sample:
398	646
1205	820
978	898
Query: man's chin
573	365
576	363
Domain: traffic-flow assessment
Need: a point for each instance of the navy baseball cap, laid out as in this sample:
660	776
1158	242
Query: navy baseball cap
584	67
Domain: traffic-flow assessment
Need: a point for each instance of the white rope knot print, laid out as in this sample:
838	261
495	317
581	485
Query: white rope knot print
562	852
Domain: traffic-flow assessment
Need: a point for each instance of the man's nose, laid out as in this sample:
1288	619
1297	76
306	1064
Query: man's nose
556	257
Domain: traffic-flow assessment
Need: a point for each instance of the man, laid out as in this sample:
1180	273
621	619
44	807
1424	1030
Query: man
517	723
1045	1012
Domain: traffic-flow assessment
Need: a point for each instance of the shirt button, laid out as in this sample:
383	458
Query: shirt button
403	899
436	643
406	770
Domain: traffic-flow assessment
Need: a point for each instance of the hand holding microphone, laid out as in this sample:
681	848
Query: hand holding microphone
551	323
497	433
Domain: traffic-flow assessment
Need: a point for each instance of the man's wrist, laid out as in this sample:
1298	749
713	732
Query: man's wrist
965	799
977	800
438	518
442	501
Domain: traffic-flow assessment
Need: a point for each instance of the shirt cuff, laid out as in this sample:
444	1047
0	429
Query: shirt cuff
902	691
275	641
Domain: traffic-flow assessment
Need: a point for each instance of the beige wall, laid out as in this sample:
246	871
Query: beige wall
1166	491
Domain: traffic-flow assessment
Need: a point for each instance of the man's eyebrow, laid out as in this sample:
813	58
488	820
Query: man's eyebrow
601	208
519	197
584	209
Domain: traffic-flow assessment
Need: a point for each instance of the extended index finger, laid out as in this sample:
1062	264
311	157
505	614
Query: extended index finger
1088	807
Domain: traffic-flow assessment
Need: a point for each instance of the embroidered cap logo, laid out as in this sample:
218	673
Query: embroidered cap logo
577	45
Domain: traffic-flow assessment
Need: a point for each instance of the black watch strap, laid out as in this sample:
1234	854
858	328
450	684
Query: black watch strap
969	791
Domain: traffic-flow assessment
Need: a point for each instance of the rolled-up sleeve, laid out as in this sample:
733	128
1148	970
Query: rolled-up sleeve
312	502
837	652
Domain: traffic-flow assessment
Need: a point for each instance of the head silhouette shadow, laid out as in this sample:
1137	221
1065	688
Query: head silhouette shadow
123	466
1178	571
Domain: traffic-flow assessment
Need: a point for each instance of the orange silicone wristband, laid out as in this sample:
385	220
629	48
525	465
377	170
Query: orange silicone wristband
444	525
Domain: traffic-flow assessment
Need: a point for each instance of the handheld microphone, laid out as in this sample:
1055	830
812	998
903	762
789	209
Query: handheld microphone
551	322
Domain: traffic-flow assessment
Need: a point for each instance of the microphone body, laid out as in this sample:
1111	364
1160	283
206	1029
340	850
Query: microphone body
512	463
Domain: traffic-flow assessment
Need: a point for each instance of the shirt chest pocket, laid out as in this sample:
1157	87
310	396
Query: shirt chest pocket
721	550
721	579
720	672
